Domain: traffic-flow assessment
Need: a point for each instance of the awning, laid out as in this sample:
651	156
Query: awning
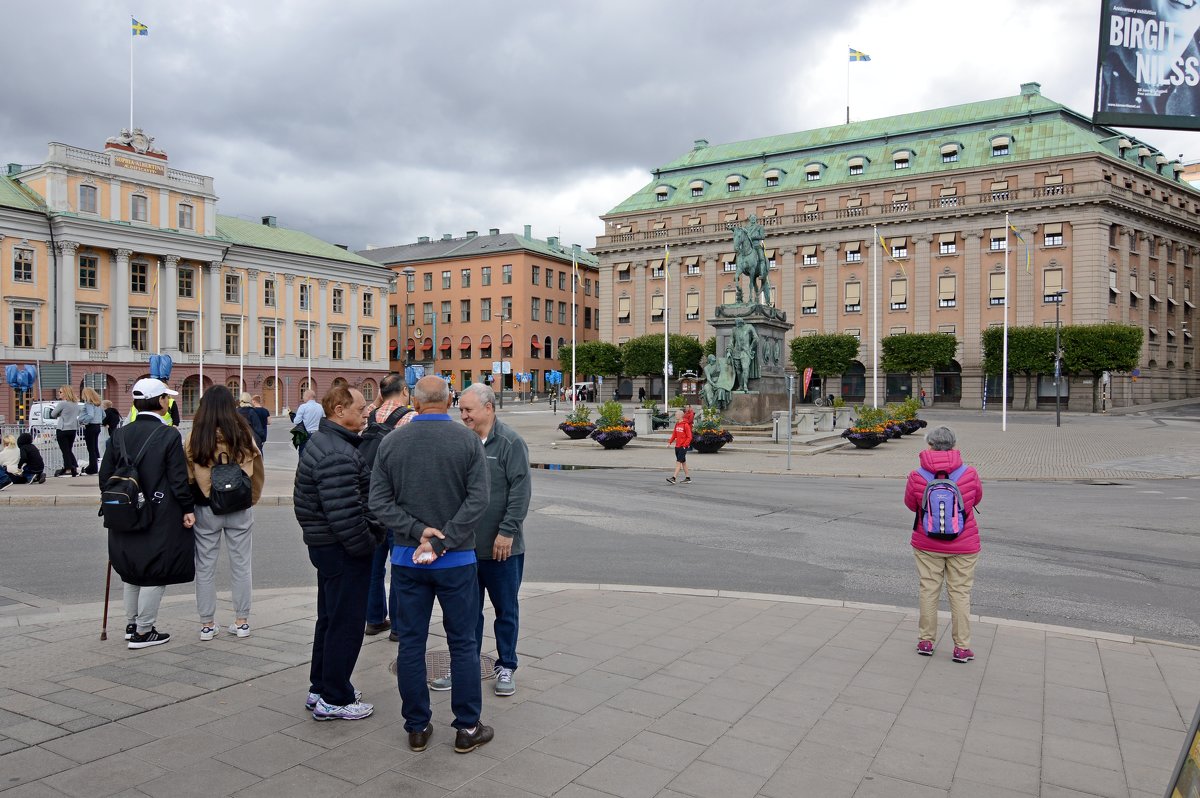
1154	331
898	241
535	342
1144	152
810	207
1135	295
856	161
1154	298
656	264
771	173
1125	144
809	251
1000	185
812	169
770	213
854	203
899	292
485	342
853	246
1170	333
949	149
727	257
808	296
693	303
853	293
998	232
393	344
662	190
506	341
691	260
696	184
901	155
900	196
769	253
465	343
733	180
731	216
1001	141
1172	301
946	287
1188	304
411	345
1054	180
1053	229
948	192
694	221
947	238
446	345
659	226
428	344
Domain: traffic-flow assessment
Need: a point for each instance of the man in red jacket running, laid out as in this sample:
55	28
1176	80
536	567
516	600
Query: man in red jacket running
681	439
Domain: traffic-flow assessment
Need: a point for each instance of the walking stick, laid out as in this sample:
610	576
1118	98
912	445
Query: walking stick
107	585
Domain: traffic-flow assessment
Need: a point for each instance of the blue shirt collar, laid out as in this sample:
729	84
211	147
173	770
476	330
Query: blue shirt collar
432	417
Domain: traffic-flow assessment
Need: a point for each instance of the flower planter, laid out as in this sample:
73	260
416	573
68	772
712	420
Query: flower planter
867	442
615	442
577	433
613	439
912	425
707	447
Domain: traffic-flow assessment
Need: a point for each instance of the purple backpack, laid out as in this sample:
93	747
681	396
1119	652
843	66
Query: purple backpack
942	515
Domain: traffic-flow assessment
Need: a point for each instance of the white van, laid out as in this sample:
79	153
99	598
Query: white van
583	390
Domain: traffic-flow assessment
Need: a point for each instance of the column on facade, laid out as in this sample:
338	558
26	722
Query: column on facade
919	288
641	289
971	295
164	209
289	317
355	342
120	294
785	289
68	324
1122	264
168	294
1025	288
322	352
829	306
114	204
251	334
212	307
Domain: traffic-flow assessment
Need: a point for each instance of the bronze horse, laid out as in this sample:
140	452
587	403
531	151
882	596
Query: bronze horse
751	261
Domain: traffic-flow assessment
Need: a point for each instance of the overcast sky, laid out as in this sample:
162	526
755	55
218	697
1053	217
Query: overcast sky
372	122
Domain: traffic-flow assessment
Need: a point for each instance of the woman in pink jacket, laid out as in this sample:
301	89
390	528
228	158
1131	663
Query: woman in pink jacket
945	560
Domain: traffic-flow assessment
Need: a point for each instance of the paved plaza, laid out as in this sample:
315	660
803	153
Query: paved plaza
626	690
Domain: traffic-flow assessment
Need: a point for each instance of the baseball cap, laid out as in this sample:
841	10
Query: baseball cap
148	388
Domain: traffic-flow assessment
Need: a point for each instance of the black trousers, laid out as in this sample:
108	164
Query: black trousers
91	435
342	583
66	439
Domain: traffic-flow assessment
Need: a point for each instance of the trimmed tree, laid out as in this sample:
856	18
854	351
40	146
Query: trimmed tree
1030	352
592	359
1093	349
916	353
710	347
643	356
826	355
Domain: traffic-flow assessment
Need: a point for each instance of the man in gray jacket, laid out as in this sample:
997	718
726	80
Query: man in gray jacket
499	536
430	487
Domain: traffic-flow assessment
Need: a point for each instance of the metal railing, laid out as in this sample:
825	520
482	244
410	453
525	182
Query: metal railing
46	441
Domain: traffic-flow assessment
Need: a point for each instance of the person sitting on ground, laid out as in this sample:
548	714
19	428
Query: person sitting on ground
944	559
33	467
10	458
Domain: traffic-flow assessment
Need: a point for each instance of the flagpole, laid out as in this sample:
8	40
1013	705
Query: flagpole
200	387
875	320
131	38
1004	360
848	47
242	336
574	290
275	289
666	323
308	324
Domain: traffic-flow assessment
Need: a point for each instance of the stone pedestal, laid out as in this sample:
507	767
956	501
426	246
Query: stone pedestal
768	391
642	423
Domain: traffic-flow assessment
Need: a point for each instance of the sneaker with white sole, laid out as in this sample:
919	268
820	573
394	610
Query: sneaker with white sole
310	703
356	711
505	685
441	683
241	630
208	631
151	638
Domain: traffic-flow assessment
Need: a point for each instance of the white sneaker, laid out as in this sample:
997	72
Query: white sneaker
356	711
241	630
310	703
208	631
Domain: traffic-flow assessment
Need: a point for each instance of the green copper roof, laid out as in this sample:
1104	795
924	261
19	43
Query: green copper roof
254	234
1036	127
12	195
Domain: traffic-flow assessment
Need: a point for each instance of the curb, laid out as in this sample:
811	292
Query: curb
94	501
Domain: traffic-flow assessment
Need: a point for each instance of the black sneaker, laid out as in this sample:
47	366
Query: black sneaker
671	480
41	478
151	638
466	741
130	630
686	480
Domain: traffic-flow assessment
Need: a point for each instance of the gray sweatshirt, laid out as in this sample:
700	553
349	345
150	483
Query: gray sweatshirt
67	414
431	472
508	469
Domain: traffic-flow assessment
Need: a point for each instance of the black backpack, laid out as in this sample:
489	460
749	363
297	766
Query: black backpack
231	490
375	432
124	505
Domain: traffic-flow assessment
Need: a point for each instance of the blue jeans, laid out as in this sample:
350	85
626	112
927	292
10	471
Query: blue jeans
341	612
5	479
379	609
413	592
502	582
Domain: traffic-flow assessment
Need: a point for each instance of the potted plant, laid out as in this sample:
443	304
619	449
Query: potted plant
905	414
579	423
708	436
870	429
613	430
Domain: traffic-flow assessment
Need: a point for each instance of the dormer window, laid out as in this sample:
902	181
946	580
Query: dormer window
856	165
902	159
1000	145
697	187
812	172
733	183
950	153
771	176
662	193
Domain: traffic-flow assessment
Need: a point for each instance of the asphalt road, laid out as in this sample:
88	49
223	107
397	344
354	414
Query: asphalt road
1120	557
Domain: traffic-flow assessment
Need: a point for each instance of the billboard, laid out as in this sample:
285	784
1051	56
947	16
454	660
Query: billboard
1148	66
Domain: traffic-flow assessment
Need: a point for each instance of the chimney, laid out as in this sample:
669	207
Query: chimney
699	144
269	221
447	236
552	241
528	230
343	246
472	233
578	250
1031	88
493	231
423	239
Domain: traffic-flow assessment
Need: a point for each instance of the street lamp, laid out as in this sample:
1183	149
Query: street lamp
409	273
503	318
1058	298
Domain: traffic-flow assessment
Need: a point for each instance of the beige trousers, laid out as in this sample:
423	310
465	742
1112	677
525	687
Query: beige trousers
957	572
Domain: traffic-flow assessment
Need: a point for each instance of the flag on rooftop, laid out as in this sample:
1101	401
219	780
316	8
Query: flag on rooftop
858	55
139	29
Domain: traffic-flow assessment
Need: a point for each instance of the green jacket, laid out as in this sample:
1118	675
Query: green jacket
508	473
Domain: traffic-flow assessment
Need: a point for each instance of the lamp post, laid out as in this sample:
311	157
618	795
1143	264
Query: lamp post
503	318
409	273
1058	298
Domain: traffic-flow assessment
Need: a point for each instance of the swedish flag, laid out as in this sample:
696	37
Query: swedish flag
858	55
139	29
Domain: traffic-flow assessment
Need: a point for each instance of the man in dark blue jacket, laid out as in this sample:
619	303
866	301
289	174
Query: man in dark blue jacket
330	502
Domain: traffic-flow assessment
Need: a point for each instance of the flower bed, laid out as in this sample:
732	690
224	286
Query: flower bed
613	430
578	424
708	434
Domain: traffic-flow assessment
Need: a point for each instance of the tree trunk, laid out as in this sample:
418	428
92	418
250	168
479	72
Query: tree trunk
1029	381
1095	393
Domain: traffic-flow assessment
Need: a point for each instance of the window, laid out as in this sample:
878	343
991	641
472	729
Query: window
410	314
853	297
697	188
622	277
658	304
948	197
587	286
446	279
88	267
485	275
23	265
947	291
808	255
562	312
693	221
368	347
187	336
138	274
901	160
812	172
233	288
692	264
368	304
410	282
535	309
854	206
304	342
947	243
427	281
138	208
466	278
808	300
949	153
856	165
549	311
733	183
1053	185
485	309
998	239
339	300
506	274
88	200
999	190
731	217
185	282
233	338
337	345
947	329
771	176
186	220
1134	296
898	247
656	268
1053	234
587	318
506	303
1052	284
1000	146
549	278
269	298
729	264
89	331
269	341
811	212
464	309
1153	291
562	281
1112	287
445	311
139	334
623	311
23	328
900	201
854	252
899	295
427	312
692	306
996	288
662	193
305	296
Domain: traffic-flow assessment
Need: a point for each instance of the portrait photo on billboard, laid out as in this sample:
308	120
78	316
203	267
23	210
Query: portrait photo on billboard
1148	65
